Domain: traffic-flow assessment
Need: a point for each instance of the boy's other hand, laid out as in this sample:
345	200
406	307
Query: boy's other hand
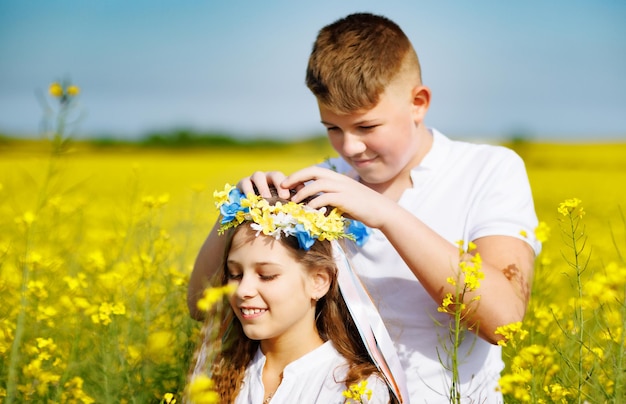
260	182
329	188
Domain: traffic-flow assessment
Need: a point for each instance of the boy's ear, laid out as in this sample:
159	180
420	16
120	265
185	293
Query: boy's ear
421	102
321	283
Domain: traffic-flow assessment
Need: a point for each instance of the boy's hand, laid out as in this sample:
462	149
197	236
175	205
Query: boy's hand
329	188
260	183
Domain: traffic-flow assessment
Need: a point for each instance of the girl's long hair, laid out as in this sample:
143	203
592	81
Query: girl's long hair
234	350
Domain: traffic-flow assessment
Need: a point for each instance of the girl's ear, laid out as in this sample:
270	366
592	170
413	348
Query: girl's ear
321	283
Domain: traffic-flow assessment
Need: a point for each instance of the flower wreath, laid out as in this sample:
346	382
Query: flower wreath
286	219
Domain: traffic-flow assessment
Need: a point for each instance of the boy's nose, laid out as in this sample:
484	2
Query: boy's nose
352	145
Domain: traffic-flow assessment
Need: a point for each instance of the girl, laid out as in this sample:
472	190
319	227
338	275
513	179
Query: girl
292	338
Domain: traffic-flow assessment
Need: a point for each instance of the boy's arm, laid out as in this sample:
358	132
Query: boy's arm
206	266
507	262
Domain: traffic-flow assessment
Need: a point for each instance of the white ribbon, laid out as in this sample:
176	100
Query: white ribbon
370	325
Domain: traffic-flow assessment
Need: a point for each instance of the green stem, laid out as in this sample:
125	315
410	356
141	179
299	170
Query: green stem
456	379
20	324
19	328
106	367
579	308
619	358
457	339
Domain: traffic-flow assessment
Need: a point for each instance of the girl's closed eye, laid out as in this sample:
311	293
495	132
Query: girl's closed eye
268	277
233	276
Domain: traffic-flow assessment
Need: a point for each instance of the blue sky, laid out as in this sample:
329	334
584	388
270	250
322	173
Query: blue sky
550	69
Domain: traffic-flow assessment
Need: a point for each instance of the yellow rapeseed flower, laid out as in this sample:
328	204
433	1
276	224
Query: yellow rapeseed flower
517	384
72	90
168	398
73	392
445	304
355	392
46	314
55	90
118	309
210	296
37	289
96	260
472	272
571	207
532	363
77	283
46	343
104	312
542	232
557	393
200	391
511	333
26	219
159	344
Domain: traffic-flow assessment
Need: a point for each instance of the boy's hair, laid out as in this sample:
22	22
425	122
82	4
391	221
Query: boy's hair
355	58
332	317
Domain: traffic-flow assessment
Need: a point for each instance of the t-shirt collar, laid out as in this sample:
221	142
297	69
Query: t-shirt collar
437	153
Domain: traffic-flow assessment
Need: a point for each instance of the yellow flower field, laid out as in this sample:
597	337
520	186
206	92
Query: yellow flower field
96	245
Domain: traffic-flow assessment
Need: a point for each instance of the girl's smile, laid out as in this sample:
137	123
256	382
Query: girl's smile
251	313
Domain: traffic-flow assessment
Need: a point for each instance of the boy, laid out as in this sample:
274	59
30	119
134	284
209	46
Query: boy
420	192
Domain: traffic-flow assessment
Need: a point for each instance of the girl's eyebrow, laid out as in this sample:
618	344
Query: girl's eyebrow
259	263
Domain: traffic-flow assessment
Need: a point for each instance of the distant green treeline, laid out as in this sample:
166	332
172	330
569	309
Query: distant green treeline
180	138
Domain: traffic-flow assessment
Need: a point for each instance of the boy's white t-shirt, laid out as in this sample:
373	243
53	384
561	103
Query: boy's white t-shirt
462	191
314	378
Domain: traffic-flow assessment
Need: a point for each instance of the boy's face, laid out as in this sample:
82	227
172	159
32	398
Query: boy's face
382	143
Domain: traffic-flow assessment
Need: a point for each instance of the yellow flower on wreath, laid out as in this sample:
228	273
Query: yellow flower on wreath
299	220
221	197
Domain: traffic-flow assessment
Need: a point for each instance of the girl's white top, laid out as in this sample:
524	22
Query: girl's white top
314	378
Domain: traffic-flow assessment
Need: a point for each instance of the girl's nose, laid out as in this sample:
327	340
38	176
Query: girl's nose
246	287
